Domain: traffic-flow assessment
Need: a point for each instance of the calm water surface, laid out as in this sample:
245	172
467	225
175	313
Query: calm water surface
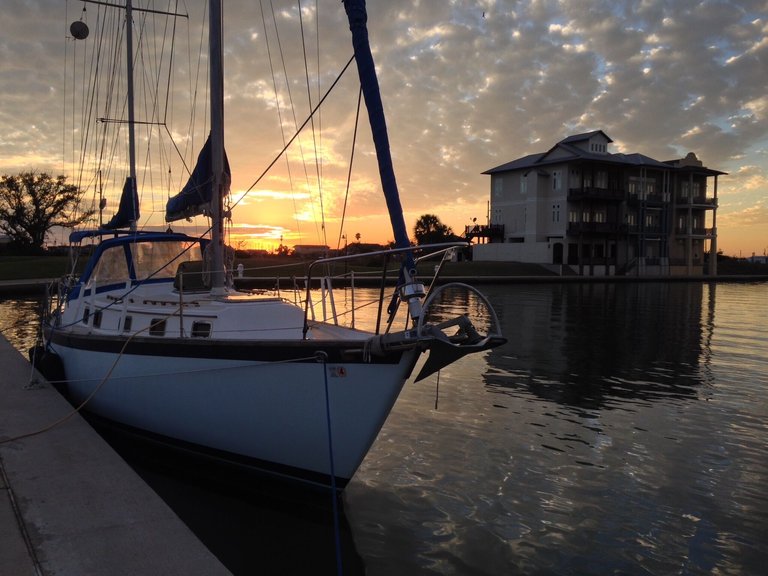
621	430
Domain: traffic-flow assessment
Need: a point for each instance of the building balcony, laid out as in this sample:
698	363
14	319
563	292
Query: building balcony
594	227
592	193
698	232
652	199
636	229
696	202
491	231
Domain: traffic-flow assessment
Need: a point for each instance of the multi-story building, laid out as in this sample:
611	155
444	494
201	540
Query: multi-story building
580	207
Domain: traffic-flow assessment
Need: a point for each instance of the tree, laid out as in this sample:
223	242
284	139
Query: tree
32	203
429	230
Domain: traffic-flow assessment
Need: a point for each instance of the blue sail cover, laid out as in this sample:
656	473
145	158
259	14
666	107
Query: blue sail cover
128	211
195	197
357	16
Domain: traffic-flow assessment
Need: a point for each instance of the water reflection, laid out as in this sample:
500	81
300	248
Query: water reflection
621	430
20	321
594	345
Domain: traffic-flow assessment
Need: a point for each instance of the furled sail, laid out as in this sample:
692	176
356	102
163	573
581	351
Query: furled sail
128	211
195	197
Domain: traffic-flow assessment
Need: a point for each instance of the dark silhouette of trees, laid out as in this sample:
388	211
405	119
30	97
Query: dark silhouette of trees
430	230
32	203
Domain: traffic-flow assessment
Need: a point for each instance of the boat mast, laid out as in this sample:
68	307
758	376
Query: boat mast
217	148
131	116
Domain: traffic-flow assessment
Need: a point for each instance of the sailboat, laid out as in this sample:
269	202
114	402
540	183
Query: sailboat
153	337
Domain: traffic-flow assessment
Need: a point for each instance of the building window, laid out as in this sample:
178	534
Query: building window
601	180
575	179
599	216
555	213
556	180
498	186
573	216
524	184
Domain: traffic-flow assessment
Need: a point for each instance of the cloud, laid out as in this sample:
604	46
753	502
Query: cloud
466	85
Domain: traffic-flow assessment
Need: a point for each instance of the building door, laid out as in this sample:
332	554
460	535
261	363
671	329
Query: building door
557	253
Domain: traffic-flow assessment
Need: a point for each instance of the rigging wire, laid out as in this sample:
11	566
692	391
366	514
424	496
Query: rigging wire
293	111
314	138
314	110
98	103
279	119
349	172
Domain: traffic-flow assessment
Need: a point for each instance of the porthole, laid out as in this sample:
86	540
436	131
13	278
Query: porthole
201	329
157	327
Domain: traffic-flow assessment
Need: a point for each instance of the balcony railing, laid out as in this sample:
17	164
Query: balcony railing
484	231
698	231
637	229
697	201
648	198
594	227
592	193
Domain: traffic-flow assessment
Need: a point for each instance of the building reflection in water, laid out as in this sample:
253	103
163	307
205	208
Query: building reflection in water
586	344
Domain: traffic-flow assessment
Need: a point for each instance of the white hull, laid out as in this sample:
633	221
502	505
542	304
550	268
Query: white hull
271	415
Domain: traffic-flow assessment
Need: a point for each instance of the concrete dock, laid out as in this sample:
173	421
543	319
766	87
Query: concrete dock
69	505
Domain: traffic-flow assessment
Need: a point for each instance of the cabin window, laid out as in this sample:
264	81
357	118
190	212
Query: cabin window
201	329
111	267
97	319
157	327
127	323
86	315
159	260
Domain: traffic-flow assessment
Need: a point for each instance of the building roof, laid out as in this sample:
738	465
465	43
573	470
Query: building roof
575	153
584	136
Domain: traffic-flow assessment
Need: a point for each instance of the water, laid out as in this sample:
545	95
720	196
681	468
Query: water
622	429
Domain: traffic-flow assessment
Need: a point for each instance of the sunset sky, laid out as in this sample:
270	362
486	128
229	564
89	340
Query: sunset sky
467	85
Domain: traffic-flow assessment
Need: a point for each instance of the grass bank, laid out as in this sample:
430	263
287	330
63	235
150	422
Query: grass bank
32	267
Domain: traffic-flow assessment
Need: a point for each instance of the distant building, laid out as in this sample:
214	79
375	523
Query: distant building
588	211
311	251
